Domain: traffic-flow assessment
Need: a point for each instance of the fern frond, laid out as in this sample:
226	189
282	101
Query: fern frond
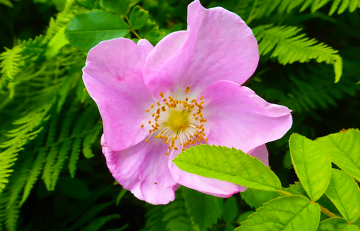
37	167
30	126
12	216
62	19
6	3
307	88
288	46
166	217
11	60
264	8
85	125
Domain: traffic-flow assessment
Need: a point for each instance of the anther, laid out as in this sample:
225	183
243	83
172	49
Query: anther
161	94
142	125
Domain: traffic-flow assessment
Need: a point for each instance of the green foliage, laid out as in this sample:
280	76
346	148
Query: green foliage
264	8
256	198
88	29
172	217
344	150
230	209
337	224
203	209
229	165
117	6
288	46
10	61
312	165
138	17
26	129
344	192
285	213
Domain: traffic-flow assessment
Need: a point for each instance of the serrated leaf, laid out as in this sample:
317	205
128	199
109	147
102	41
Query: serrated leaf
151	32
285	214
115	6
230	210
138	17
256	198
298	189
312	165
344	192
244	216
229	165
88	29
204	210
336	224
344	149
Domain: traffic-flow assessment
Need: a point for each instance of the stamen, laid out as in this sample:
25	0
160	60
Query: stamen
178	122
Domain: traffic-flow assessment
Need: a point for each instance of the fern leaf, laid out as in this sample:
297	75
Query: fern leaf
288	46
6	3
62	19
12	216
90	139
11	60
85	119
28	130
168	217
37	166
264	8
63	155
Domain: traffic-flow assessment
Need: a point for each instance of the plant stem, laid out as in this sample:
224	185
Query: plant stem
322	209
132	29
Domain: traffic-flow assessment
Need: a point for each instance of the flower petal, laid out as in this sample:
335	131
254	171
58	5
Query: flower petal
261	153
113	78
202	184
217	46
237	117
143	170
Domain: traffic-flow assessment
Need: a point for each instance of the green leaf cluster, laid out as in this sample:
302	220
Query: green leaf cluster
299	206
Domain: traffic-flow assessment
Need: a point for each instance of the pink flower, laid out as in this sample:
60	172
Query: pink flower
157	101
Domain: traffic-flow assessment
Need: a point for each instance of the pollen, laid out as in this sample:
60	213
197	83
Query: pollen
178	122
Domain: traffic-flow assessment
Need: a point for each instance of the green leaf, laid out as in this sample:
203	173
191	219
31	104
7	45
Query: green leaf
344	192
296	189
312	165
227	164
230	209
138	17
285	214
344	150
204	210
256	198
88	29
336	224
244	216
151	32
115	6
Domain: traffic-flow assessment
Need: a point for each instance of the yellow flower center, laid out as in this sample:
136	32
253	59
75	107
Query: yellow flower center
177	122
